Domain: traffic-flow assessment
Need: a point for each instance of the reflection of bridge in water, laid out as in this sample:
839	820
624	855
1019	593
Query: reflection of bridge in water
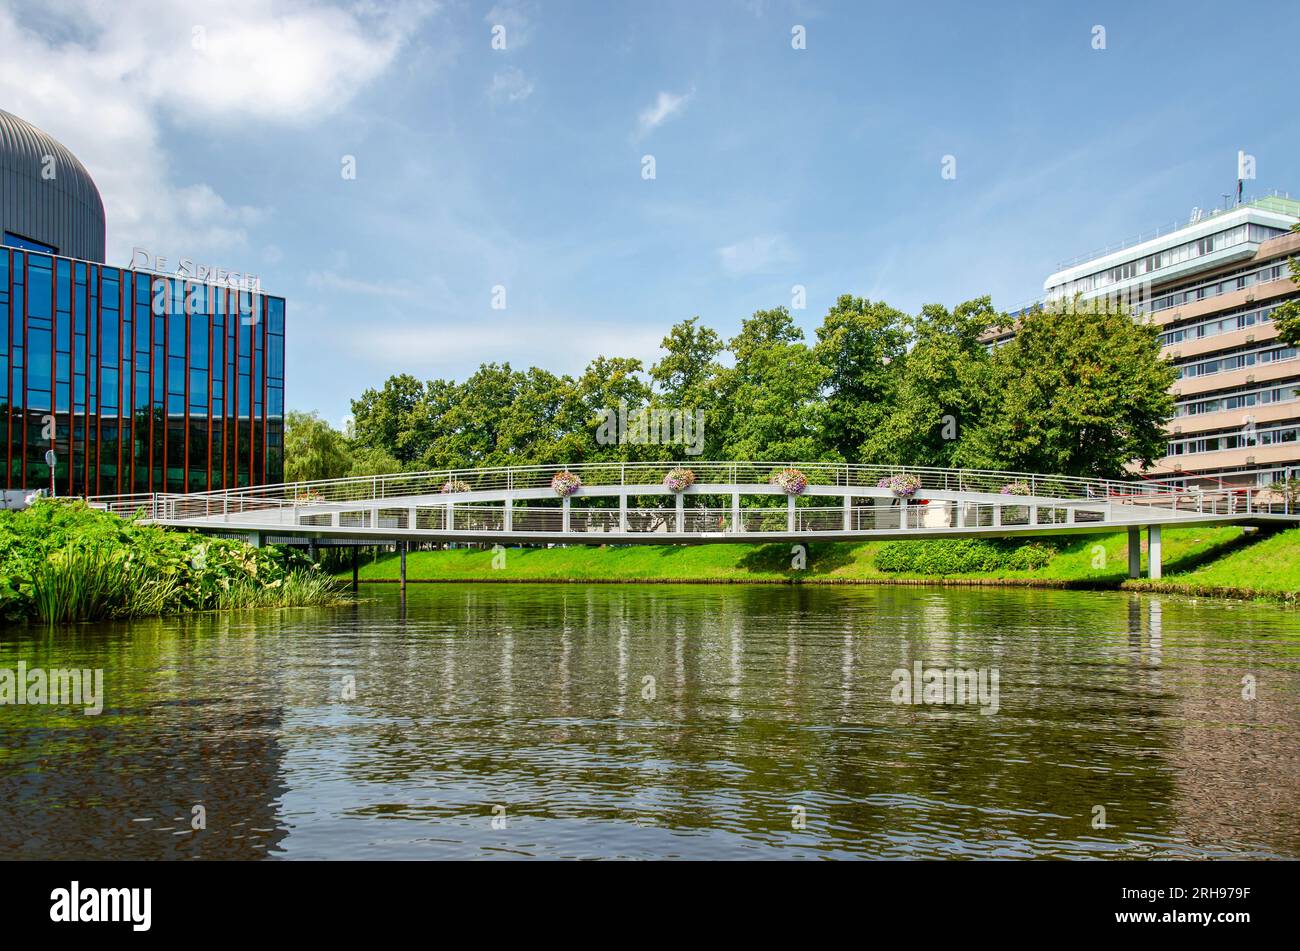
839	503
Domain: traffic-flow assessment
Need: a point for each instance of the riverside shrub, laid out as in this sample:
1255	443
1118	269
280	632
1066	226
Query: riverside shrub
952	556
61	560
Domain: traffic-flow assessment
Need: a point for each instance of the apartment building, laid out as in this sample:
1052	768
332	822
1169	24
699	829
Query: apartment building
1212	286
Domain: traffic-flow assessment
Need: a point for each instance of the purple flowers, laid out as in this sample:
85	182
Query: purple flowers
454	485
792	480
679	479
903	486
1016	488
565	483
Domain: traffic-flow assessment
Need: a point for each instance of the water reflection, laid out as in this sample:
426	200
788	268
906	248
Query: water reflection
534	698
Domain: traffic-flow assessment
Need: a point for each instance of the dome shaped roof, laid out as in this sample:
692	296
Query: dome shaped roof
46	194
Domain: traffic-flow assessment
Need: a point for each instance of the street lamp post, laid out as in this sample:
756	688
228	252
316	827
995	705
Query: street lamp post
50	460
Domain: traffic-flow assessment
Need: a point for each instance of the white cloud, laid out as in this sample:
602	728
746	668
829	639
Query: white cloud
756	254
509	85
665	106
103	81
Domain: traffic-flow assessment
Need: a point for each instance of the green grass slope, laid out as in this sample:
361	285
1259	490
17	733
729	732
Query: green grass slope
1205	557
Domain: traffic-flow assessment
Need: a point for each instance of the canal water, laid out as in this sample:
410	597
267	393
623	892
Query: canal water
566	721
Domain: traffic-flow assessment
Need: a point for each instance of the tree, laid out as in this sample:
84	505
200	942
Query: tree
688	370
1080	390
1287	316
860	344
943	388
772	397
688	379
313	449
387	419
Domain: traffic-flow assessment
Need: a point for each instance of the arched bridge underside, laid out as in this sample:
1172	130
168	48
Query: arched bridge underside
630	503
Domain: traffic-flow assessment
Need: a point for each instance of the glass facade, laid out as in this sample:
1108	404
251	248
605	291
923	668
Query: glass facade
137	381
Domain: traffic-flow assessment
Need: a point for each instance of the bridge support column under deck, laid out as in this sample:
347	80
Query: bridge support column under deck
681	513
789	513
848	513
401	550
1134	551
622	512
735	512
564	515
1153	552
508	521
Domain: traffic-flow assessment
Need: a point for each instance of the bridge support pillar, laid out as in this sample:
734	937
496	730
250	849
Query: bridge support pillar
736	525
355	569
997	515
446	517
622	512
564	515
789	513
1134	551
508	521
1153	552
681	513
848	513
411	517
401	550
334	519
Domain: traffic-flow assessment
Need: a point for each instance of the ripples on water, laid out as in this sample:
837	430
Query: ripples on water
528	701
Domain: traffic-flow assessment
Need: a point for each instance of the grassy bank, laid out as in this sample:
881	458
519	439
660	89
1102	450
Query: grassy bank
61	561
1197	559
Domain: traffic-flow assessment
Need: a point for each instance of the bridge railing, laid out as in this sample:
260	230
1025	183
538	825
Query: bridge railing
432	514
617	474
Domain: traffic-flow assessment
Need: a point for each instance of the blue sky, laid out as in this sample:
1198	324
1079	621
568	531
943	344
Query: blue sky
219	130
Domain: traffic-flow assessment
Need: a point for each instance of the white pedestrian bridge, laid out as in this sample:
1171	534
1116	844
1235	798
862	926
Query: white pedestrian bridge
630	503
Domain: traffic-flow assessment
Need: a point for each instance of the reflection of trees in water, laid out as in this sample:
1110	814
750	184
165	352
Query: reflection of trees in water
124	784
768	696
765	697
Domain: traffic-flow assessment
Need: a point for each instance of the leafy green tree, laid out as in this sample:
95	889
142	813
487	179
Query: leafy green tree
313	449
688	371
688	379
862	346
1287	316
772	397
943	388
1080	390
388	418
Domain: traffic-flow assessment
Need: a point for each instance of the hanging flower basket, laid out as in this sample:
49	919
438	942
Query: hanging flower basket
454	485
903	486
1016	488
792	480
565	483
679	479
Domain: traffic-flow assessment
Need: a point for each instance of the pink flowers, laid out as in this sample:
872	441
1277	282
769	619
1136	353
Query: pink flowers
565	483
1016	488
679	479
903	486
792	480
454	485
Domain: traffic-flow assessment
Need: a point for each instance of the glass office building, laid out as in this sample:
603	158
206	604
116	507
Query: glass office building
136	381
